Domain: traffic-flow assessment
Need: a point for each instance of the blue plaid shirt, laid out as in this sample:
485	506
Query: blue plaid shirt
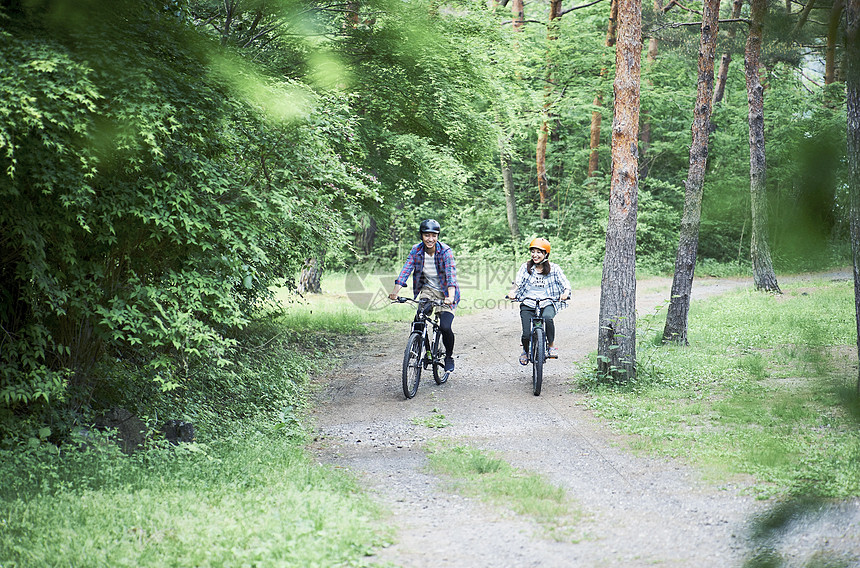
445	268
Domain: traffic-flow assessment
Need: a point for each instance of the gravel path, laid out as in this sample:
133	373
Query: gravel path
636	511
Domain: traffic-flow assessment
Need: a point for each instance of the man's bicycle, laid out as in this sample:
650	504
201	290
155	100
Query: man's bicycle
424	347
538	344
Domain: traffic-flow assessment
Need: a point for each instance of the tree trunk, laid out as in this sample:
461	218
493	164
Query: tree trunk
547	115
309	279
832	38
596	117
852	83
518	15
594	140
543	184
616	345
510	196
612	30
685	260
764	276
366	235
653	47
723	74
804	15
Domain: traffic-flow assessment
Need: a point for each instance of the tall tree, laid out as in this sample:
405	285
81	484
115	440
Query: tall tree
596	116
510	195
616	344
685	260
546	112
764	276
832	39
650	59
852	81
722	75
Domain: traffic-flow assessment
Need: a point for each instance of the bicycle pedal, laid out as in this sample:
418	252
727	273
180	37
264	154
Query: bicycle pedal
552	356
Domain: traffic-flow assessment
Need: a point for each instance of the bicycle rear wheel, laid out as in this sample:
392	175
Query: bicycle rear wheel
538	357
440	375
412	364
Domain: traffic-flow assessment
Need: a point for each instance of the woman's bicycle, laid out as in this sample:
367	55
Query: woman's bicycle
538	344
424	347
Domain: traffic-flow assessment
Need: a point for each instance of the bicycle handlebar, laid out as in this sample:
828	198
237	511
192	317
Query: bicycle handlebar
553	300
403	300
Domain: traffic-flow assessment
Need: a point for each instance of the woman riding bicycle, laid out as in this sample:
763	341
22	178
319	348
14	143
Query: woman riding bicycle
435	277
539	279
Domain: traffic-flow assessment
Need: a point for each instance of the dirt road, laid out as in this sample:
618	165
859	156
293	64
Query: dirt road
636	511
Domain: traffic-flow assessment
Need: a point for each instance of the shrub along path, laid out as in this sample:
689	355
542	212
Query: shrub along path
626	510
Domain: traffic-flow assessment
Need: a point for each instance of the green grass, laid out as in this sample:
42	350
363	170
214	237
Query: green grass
765	391
245	494
491	479
252	500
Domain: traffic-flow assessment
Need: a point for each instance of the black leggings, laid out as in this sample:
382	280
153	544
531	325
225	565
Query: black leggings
445	321
526	315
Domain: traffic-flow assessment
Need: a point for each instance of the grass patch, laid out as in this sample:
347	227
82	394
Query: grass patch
766	390
493	480
435	420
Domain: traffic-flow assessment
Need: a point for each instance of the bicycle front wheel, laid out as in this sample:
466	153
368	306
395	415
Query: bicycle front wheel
538	357
412	364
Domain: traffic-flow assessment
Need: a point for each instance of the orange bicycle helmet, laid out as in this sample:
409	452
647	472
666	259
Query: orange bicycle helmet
540	243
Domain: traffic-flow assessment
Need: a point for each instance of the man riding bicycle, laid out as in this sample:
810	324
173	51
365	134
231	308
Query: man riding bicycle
539	279
435	277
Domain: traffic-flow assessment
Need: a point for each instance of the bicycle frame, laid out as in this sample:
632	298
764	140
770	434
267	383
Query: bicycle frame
422	349
538	342
538	322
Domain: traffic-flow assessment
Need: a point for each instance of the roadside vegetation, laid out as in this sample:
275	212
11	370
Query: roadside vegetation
765	392
244	493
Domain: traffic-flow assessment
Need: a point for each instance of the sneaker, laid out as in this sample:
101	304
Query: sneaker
553	353
449	364
524	358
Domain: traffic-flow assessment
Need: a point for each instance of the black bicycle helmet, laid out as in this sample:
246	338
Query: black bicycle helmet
429	226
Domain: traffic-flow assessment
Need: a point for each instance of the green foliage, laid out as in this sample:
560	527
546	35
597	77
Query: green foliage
148	213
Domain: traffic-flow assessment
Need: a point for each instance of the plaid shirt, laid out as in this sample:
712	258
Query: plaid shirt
445	268
556	283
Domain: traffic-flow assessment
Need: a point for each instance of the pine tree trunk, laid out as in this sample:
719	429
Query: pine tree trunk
645	138
685	260
852	83
594	141
832	39
510	195
543	184
596	117
547	115
517	15
616	344
764	276
723	74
